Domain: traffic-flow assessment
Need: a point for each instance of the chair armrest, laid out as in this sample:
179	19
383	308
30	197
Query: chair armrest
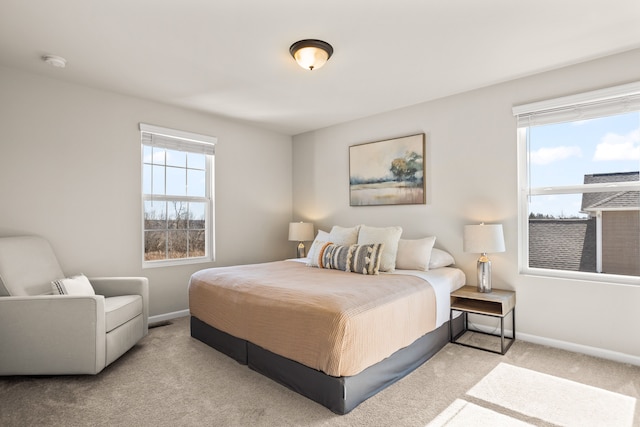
52	334
116	286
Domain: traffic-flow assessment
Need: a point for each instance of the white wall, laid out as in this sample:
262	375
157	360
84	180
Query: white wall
70	171
471	175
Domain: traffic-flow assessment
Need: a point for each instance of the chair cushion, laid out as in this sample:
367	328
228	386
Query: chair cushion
119	310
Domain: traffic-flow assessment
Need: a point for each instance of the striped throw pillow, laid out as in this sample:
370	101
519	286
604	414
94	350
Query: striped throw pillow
76	285
362	259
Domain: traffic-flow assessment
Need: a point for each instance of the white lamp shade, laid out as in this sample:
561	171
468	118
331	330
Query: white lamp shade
300	231
483	238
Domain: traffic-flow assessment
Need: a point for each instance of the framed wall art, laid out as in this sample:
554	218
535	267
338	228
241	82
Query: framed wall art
389	172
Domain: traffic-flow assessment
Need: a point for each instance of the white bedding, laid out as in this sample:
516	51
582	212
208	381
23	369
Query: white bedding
444	280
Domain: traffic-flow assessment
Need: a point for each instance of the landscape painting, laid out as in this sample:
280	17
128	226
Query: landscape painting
389	172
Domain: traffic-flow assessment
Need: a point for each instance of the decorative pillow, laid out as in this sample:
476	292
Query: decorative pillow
363	259
440	258
387	235
316	251
414	254
75	285
344	235
321	238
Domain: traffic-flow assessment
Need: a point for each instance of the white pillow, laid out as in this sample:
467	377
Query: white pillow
440	258
75	285
414	254
314	254
387	235
344	235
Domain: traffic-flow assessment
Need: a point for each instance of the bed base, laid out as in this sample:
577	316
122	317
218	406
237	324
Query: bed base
339	394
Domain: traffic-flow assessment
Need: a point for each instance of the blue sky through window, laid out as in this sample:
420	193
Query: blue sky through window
561	154
173	173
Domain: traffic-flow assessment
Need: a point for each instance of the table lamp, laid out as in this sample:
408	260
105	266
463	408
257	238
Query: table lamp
301	232
483	239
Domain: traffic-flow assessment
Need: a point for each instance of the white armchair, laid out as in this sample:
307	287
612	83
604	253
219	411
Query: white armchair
45	334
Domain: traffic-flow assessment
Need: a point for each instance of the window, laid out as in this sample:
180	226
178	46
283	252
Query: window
579	183
177	202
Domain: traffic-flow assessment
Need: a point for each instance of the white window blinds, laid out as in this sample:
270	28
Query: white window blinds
173	139
588	105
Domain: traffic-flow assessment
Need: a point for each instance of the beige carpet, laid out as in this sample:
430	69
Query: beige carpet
170	379
541	397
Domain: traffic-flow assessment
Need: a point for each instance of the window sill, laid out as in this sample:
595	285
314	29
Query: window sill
613	279
176	262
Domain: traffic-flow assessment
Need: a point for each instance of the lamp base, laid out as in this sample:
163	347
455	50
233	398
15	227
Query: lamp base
484	274
301	251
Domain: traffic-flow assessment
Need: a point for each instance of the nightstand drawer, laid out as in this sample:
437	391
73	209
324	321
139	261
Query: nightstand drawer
495	303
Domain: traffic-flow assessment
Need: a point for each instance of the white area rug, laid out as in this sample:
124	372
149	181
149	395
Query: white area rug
553	399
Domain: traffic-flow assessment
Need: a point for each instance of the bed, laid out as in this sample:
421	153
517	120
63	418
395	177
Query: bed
333	336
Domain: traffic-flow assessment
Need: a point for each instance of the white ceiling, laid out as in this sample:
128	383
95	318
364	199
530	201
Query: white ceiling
231	57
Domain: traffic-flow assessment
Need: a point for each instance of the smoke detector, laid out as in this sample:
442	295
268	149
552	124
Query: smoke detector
55	61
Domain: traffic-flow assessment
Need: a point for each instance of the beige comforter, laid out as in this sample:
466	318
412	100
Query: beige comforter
336	322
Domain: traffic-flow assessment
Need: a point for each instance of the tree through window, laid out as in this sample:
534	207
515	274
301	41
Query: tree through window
177	196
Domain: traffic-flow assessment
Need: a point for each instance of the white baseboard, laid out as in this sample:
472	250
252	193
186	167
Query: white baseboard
579	348
168	316
564	345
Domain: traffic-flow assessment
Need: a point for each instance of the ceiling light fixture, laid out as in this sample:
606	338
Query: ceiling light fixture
55	61
311	54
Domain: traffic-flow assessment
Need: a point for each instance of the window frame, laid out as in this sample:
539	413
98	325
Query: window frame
587	105
177	140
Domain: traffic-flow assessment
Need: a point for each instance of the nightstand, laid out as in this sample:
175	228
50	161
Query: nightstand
498	303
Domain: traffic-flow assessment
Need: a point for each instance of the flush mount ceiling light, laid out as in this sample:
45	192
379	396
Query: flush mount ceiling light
311	54
55	61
